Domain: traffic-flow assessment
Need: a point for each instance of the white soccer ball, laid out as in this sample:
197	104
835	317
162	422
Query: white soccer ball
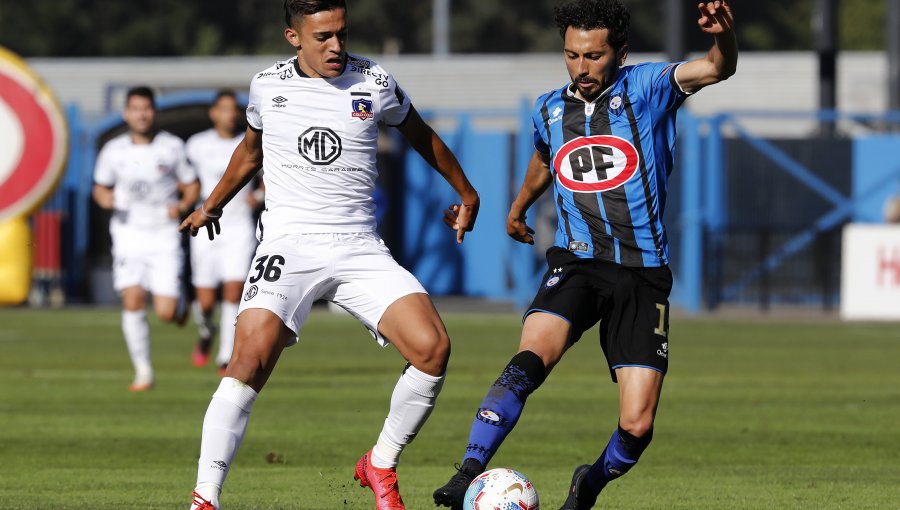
501	489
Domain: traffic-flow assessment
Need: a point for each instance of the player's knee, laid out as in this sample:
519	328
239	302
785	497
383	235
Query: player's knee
433	352
165	314
639	426
246	367
434	360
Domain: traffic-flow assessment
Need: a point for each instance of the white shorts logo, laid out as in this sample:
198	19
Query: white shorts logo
664	352
251	293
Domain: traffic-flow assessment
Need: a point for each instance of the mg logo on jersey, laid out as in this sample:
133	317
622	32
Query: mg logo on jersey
592	164
319	145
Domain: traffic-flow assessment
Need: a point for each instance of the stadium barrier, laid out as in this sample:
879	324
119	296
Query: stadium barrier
751	220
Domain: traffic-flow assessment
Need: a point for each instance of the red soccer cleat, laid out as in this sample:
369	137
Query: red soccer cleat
383	483
201	504
200	355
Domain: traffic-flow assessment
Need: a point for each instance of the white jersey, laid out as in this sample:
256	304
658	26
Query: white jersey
209	154
144	178
319	144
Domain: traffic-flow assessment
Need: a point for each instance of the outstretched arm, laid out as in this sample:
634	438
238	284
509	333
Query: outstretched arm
459	217
537	180
721	61
245	163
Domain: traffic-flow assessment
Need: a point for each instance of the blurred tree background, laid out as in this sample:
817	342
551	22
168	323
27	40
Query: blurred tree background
105	28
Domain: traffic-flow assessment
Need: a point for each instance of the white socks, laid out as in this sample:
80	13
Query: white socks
411	403
204	321
223	430
137	338
228	315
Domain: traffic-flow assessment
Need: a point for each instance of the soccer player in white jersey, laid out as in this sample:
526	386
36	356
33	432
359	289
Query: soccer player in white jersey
225	260
313	130
139	176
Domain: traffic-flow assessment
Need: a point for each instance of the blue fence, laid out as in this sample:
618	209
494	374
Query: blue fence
702	217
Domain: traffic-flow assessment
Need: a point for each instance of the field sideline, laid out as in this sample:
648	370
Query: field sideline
756	414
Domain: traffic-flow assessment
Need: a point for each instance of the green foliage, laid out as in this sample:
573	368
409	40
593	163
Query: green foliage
755	415
64	28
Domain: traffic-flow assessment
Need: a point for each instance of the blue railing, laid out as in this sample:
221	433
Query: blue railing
491	265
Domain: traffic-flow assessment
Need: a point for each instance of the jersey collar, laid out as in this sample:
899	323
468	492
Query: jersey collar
301	74
570	92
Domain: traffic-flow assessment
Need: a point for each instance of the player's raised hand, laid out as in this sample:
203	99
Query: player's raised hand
202	218
518	230
461	218
715	17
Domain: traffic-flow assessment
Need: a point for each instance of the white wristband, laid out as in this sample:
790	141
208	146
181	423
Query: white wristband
208	215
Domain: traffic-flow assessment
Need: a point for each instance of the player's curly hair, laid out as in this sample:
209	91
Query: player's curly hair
295	9
593	14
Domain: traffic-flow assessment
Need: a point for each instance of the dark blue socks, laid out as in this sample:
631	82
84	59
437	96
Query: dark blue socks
620	455
503	405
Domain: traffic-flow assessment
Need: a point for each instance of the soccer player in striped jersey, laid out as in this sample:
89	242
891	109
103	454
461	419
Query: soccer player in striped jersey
605	142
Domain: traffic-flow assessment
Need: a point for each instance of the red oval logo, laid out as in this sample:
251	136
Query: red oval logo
35	138
592	164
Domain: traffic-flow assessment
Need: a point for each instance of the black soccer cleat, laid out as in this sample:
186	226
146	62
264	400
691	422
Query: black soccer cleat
454	491
579	495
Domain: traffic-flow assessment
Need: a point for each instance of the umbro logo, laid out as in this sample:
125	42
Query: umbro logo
220	463
279	101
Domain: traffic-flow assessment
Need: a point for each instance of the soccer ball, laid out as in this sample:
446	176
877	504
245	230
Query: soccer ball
501	489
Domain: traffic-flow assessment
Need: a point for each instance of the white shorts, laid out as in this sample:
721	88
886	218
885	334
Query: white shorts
225	259
153	263
355	271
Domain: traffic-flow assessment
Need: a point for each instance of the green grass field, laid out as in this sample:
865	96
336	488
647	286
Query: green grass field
755	415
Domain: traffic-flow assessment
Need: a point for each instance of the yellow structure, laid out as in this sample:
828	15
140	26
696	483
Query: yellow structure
15	261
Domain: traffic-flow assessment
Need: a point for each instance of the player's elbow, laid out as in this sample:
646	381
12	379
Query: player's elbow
727	71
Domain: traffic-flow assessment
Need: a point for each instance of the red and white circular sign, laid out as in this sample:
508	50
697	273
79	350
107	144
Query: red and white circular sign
34	138
593	164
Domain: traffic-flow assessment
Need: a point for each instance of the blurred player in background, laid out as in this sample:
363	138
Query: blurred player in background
313	128
226	260
139	176
605	142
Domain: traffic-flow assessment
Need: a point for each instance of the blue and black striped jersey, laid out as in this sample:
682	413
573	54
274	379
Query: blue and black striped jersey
611	159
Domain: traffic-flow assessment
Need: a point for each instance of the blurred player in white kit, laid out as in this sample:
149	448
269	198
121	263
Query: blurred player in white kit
144	178
225	260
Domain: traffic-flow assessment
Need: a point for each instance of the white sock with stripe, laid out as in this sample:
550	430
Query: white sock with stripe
223	430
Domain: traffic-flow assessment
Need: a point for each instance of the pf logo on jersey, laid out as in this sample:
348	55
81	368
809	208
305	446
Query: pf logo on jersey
592	164
319	145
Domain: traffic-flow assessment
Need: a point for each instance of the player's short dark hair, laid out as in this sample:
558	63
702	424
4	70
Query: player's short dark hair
224	93
295	9
594	14
141	91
